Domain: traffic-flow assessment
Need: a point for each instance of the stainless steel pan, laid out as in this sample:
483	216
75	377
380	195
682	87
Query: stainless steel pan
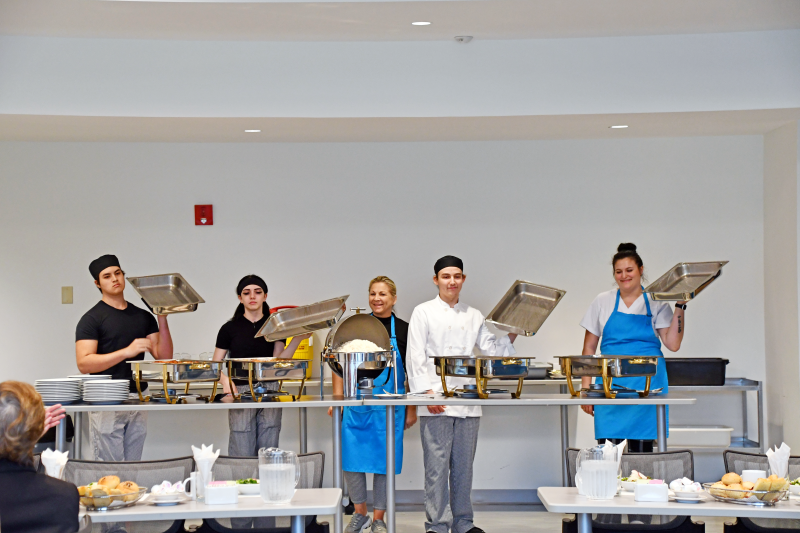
524	308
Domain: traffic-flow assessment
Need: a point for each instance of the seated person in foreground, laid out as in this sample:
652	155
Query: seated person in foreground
30	502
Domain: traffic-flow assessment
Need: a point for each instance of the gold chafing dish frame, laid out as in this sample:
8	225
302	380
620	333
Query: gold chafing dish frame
607	372
196	364
250	363
481	381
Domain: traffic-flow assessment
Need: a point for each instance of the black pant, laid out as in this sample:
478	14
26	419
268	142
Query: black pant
634	445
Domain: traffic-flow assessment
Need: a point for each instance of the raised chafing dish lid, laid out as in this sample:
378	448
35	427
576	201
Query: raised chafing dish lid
303	319
358	327
685	281
166	293
524	308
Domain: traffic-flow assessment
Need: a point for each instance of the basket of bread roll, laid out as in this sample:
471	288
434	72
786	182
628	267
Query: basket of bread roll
109	493
765	491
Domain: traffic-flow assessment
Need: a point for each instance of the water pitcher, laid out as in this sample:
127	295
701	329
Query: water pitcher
278	474
596	472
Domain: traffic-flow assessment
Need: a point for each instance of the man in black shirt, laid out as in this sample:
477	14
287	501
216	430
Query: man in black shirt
108	335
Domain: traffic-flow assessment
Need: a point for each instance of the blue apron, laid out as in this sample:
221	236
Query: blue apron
626	334
364	427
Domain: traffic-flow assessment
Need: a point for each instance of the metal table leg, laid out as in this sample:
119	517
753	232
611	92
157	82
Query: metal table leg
61	436
584	522
744	417
760	393
390	469
661	422
298	524
564	438
76	441
303	429
338	519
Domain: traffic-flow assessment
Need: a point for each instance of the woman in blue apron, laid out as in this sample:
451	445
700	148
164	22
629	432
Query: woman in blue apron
364	427
626	321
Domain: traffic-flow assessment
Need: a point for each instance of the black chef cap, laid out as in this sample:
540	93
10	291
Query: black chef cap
102	263
447	261
251	279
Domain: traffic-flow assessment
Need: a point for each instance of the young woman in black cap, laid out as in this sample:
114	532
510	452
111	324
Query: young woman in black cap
108	335
251	429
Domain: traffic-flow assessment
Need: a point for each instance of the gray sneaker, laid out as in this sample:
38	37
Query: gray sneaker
358	523
379	526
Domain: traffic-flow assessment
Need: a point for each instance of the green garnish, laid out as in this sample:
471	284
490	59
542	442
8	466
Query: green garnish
248	481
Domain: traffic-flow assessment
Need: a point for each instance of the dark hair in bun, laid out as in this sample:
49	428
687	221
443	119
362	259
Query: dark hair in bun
627	250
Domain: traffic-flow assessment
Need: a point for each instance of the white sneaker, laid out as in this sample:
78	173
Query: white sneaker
358	523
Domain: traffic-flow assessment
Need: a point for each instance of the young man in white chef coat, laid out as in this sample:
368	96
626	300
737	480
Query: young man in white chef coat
109	335
446	326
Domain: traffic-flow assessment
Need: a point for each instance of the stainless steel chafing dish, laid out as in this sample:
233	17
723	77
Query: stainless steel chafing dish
482	368
175	371
685	281
303	319
166	293
352	365
609	367
267	369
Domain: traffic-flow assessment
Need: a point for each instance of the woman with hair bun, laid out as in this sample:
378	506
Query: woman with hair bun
625	321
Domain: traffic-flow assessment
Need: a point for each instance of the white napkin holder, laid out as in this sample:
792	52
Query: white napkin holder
221	493
646	492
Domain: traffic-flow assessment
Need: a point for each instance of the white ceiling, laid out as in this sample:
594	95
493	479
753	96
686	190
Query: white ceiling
162	129
390	20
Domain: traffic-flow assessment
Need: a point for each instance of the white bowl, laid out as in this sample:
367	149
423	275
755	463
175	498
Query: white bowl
688	494
628	485
249	489
794	489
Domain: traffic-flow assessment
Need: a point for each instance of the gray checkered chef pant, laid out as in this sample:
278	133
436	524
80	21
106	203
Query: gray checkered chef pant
253	429
118	435
448	450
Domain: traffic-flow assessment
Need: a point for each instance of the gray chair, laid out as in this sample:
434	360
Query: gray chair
312	466
143	473
737	462
663	465
37	462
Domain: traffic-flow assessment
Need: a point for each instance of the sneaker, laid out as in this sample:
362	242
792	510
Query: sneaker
358	524
476	530
379	526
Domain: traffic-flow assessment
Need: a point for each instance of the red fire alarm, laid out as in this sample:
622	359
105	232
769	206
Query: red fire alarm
204	215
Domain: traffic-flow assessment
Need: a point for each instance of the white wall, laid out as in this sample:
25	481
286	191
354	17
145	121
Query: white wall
665	73
319	220
781	282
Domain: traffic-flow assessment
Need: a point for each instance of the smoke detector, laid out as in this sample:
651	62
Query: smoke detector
463	38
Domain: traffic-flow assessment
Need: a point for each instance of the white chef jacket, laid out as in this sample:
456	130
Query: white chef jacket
437	329
600	311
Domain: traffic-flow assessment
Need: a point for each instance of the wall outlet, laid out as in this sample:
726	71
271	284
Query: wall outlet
66	295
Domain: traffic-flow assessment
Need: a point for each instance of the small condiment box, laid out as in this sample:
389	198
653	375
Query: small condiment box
221	492
649	492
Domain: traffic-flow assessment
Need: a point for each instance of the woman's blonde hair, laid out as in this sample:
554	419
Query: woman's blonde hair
387	281
21	421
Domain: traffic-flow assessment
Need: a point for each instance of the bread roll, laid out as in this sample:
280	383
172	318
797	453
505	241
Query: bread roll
83	490
717	489
131	489
109	481
762	484
778	484
731	479
87	502
748	485
100	497
735	491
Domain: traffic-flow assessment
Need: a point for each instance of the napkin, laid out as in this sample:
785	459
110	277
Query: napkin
54	462
620	449
204	458
779	460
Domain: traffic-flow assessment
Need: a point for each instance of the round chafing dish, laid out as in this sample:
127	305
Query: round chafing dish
353	366
482	368
609	367
261	369
176	371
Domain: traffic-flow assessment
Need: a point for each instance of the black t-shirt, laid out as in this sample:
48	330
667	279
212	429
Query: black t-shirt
238	336
115	329
400	333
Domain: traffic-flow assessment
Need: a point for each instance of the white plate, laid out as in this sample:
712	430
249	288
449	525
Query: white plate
90	376
58	380
686	500
164	499
687	495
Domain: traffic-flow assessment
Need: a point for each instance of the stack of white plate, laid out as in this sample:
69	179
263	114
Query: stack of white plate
106	391
88	377
61	390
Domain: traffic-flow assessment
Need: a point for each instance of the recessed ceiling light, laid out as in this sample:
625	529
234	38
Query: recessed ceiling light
619	126
252	131
420	23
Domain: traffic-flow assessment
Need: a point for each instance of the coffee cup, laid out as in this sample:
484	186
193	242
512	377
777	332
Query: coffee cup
753	475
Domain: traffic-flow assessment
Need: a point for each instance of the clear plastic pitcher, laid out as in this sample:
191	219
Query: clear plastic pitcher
278	474
597	471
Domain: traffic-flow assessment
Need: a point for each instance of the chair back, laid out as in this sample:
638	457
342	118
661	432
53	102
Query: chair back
37	461
658	465
736	461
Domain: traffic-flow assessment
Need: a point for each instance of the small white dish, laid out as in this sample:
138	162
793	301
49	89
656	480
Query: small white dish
688	494
628	485
794	489
686	500
249	489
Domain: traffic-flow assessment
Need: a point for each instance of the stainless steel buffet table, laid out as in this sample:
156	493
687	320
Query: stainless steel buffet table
527	400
